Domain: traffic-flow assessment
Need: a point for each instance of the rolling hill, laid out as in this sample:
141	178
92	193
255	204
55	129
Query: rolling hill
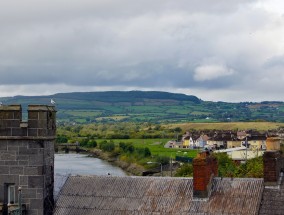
150	106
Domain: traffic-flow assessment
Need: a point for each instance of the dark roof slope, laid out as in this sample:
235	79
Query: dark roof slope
273	200
153	195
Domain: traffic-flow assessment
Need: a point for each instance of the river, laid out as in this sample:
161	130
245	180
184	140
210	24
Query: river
81	164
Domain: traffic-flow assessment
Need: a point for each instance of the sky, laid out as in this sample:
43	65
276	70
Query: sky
216	50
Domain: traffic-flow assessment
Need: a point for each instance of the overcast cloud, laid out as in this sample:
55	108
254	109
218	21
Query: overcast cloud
217	50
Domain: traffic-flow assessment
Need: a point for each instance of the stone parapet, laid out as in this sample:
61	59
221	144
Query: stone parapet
41	121
27	156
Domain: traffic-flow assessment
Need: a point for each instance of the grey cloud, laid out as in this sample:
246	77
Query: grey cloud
276	61
138	44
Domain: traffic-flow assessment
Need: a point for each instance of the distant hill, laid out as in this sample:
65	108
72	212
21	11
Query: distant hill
150	106
126	96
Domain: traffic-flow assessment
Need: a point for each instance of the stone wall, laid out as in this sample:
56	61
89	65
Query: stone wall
27	155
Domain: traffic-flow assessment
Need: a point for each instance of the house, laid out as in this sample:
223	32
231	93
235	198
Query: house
170	144
250	147
256	142
240	154
174	144
189	140
205	193
241	135
201	141
233	143
186	140
216	142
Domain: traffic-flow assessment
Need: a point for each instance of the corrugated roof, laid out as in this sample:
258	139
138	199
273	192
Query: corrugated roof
156	195
273	200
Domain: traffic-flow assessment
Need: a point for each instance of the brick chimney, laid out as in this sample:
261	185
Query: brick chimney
272	163
205	167
272	144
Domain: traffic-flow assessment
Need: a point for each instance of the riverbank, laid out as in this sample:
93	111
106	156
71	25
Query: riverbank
129	168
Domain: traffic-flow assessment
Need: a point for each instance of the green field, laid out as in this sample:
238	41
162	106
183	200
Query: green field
154	107
260	126
82	113
156	147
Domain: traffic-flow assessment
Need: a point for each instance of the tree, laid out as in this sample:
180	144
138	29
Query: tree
163	159
253	168
61	139
92	143
107	146
226	166
177	129
147	152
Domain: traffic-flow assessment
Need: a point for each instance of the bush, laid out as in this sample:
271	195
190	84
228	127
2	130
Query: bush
163	160
126	147
92	144
61	139
107	146
142	152
84	142
147	152
186	170
226	166
252	169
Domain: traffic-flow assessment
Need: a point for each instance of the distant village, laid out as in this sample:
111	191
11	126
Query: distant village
239	145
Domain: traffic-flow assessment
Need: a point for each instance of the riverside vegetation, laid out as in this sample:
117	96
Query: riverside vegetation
133	145
126	126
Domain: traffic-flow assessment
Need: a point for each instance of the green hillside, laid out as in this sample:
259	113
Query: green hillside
150	106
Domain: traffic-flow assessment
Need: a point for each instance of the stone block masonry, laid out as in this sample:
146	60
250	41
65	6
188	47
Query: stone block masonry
27	155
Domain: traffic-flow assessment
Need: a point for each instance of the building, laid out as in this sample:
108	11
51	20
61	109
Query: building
27	162
27	159
201	141
256	142
205	193
189	140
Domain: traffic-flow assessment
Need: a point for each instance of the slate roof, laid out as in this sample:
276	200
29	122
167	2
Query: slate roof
273	200
156	195
59	181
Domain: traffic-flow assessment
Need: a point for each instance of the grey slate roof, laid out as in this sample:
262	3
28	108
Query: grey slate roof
273	200
156	195
59	181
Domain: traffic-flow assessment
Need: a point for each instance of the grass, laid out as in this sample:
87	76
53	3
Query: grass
115	118
156	147
145	109
260	126
178	111
82	113
199	113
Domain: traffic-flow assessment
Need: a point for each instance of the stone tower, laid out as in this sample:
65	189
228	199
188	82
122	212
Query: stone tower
27	158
